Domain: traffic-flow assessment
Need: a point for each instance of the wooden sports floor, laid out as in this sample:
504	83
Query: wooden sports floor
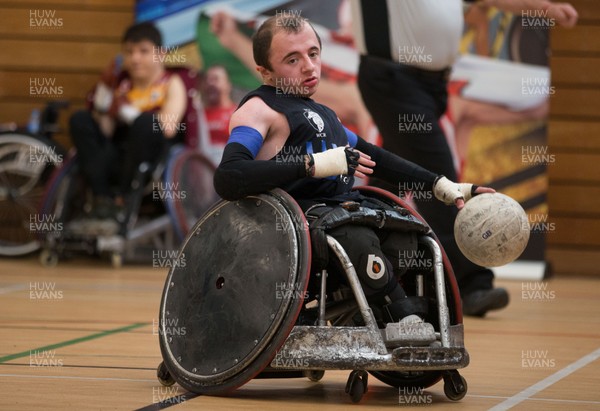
82	336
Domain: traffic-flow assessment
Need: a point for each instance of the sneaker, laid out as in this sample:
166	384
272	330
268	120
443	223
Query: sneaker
92	227
478	303
409	330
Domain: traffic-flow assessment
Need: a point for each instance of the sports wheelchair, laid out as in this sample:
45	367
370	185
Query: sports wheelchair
181	181
248	305
28	156
166	199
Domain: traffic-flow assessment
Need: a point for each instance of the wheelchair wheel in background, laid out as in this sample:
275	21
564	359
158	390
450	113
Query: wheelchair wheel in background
26	163
64	199
225	311
64	195
189	177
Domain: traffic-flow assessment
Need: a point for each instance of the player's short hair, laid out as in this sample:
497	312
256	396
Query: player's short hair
216	66
261	40
142	31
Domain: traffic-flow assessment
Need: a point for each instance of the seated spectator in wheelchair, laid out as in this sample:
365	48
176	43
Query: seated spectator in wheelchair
280	137
135	115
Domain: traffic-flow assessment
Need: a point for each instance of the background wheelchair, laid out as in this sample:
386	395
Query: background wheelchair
166	199
27	159
246	304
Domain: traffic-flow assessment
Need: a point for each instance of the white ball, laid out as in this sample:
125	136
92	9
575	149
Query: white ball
491	229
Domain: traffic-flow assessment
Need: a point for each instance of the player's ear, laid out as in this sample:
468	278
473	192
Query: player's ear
264	72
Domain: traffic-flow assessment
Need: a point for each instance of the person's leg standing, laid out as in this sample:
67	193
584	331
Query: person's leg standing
406	109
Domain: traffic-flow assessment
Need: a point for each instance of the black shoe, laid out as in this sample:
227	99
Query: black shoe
478	303
105	208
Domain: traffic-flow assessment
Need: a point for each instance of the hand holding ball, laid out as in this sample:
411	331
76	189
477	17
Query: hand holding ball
491	230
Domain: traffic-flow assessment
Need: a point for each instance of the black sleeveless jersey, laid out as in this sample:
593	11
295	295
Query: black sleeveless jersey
313	128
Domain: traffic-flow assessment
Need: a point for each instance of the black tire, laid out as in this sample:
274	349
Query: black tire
416	379
454	394
163	375
357	385
198	359
314	375
357	391
192	173
64	199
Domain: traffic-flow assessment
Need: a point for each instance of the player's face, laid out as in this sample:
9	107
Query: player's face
216	85
141	59
296	62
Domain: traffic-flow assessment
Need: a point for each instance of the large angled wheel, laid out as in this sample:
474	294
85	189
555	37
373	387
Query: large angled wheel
236	292
189	177
26	163
63	201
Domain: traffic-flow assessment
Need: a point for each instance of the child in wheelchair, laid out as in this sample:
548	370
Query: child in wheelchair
280	137
136	112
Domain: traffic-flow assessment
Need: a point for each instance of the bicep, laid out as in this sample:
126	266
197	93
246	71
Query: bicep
254	114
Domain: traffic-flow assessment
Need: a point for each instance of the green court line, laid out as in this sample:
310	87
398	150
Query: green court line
73	341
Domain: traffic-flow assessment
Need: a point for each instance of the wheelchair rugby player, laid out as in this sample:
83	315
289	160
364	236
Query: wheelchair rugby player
291	157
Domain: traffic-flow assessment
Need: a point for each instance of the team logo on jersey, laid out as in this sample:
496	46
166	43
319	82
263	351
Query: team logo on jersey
314	119
375	267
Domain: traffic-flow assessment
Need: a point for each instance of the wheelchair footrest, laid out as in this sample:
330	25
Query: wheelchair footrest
349	348
315	347
431	357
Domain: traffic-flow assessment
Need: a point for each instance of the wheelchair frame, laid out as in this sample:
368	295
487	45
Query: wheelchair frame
316	348
121	245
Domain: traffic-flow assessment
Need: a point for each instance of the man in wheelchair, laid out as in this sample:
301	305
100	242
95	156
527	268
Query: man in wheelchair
136	113
280	137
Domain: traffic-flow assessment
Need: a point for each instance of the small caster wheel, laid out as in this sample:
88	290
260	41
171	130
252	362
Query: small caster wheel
314	375
163	375
455	386
356	386
116	260
49	258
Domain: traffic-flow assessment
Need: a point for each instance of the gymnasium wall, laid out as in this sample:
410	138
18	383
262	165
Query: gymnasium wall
66	43
573	246
55	49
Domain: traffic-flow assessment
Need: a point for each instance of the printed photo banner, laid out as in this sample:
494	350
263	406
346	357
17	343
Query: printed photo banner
496	119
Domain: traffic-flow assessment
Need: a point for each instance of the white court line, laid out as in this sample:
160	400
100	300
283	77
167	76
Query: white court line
546	382
498	397
65	377
13	288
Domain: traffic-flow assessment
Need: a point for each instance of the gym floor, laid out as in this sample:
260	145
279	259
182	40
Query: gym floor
82	335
